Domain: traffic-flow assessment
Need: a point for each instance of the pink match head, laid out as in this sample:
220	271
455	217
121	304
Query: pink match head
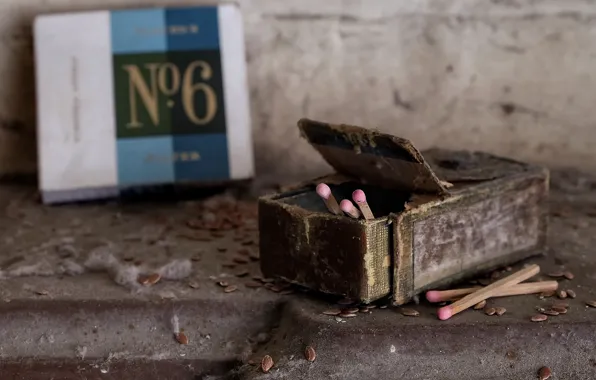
358	196
346	205
445	313
323	190
433	296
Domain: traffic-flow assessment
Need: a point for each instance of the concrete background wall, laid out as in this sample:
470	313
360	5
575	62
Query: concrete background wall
512	77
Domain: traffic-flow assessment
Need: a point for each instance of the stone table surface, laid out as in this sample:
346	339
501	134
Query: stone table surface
71	306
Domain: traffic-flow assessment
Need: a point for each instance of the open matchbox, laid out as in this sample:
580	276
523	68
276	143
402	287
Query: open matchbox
441	216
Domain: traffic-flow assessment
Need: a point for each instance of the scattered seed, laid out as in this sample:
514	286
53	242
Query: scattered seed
500	311
591	303
539	318
490	311
42	292
562	294
195	258
268	280
310	354
223	284
571	293
332	312
508	269
555	274
241	273
181	338
351	310
258	278
540	309
480	305
568	275
550	312
371	306
240	260
544	373
345	301
149	280
254	256
562	304
193	284
230	289
547	294
253	284
409	312
364	310
383	306
347	315
266	363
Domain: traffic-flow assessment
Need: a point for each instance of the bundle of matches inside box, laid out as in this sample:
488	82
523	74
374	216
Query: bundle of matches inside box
345	205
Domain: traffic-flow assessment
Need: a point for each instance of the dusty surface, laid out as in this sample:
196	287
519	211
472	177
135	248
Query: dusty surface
88	326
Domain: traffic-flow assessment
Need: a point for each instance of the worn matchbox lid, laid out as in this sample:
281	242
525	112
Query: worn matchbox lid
372	157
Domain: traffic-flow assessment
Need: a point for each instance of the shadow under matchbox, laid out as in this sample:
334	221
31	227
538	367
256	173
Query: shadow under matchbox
141	98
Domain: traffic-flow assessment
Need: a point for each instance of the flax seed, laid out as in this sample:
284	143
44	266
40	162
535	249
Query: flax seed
310	354
547	294
480	305
258	278
371	306
490	311
149	280
182	338
351	310
500	311
568	275
241	273
562	294
561	303
193	284
347	315
364	310
544	373
383	306
253	284
240	260
243	252
508	269
591	303
571	293
332	312
254	256
223	284
409	312
539	318
267	280
195	258
345	301
266	363
42	292
550	312
556	274
230	289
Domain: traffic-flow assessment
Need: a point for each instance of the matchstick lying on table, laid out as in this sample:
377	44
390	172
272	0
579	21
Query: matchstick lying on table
360	198
347	207
514	290
489	291
325	193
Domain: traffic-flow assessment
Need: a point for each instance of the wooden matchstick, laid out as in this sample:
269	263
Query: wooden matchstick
496	287
325	193
360	198
515	290
347	207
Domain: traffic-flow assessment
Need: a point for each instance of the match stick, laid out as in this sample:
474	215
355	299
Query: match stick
496	287
360	198
347	207
325	193
515	290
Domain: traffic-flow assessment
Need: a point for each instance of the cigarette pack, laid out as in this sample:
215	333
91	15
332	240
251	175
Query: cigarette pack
139	98
440	216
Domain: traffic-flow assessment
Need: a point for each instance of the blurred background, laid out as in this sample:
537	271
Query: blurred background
510	77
